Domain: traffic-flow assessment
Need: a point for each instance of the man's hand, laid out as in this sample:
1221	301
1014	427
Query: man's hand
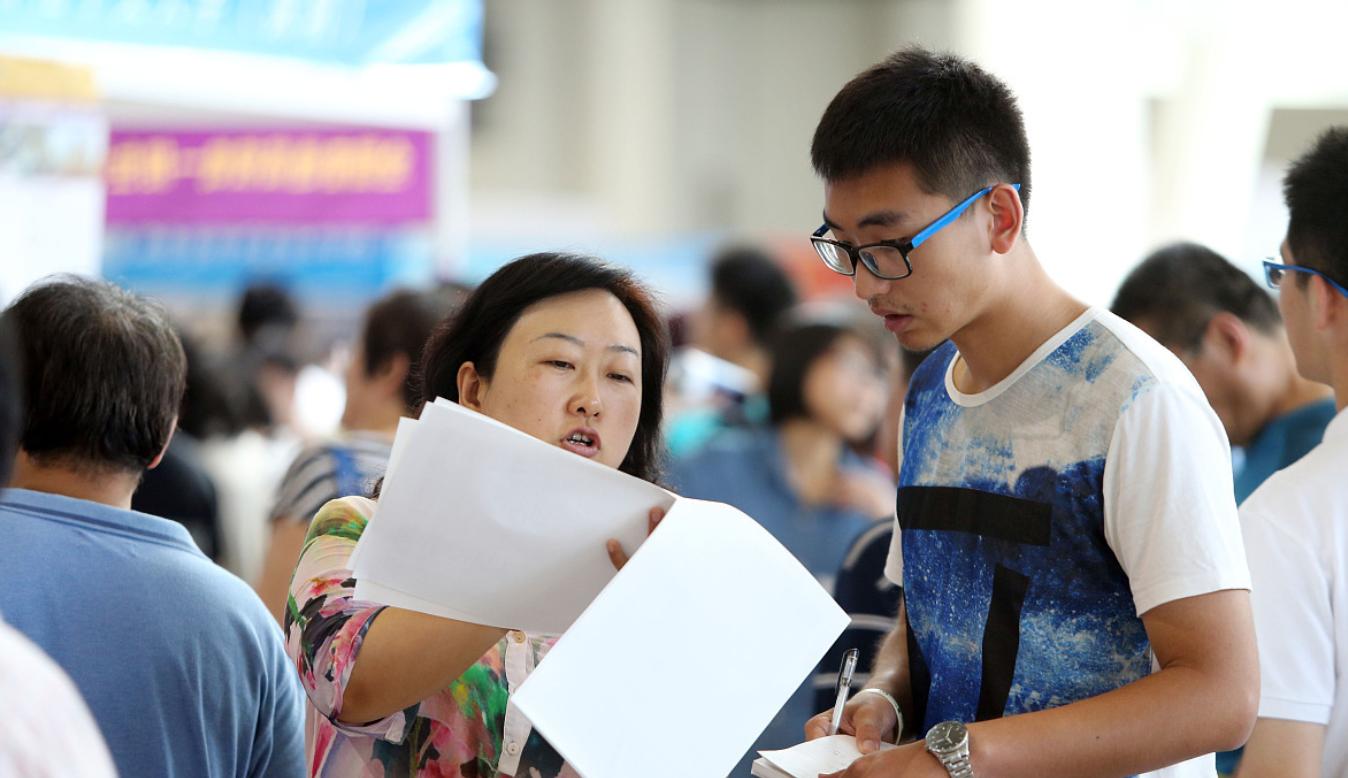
910	761
868	717
617	555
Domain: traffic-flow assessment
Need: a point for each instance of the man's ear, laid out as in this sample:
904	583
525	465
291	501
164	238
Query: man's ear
160	456
1227	336
472	386
1328	307
1008	217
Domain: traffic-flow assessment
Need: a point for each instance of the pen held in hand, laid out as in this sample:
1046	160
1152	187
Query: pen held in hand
849	666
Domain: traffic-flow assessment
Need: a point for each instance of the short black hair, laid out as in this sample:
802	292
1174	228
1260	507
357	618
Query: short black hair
266	306
103	375
475	334
10	401
400	323
751	283
795	349
956	124
1178	288
1316	191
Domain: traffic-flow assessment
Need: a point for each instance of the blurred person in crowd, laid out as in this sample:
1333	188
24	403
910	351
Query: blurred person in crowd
560	347
47	729
178	660
1063	481
750	292
861	588
382	386
800	477
1296	523
1227	331
180	488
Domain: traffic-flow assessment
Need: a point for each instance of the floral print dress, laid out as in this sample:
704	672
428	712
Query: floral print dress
468	730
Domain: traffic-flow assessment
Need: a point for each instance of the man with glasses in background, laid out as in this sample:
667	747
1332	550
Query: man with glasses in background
1296	524
1074	586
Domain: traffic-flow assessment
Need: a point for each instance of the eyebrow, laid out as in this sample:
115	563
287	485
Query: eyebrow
573	339
873	219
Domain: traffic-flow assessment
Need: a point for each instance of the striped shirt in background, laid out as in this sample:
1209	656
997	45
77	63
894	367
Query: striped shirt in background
344	467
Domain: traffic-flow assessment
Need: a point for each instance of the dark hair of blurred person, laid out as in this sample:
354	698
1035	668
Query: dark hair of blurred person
1227	331
178	661
565	349
11	402
180	488
263	307
801	477
749	294
383	384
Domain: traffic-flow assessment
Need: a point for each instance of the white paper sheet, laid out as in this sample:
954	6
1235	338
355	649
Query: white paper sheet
681	662
822	755
467	494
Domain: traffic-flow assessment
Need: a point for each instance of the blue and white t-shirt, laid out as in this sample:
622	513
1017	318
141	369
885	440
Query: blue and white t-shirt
1040	518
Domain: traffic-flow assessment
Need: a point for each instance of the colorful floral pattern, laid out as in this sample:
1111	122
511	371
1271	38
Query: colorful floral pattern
457	733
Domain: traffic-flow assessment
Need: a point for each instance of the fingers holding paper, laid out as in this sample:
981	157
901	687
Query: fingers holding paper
617	555
867	716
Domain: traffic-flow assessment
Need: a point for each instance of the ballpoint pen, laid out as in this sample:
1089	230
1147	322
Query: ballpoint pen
849	665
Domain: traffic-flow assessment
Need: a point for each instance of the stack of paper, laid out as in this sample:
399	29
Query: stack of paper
465	494
671	667
811	758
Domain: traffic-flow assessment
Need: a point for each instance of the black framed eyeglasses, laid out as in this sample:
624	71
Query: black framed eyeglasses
886	259
1275	273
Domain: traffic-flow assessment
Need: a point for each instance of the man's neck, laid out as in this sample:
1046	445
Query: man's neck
1027	312
111	487
1299	393
382	420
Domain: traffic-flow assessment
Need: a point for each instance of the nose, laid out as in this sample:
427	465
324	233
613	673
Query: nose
866	286
585	399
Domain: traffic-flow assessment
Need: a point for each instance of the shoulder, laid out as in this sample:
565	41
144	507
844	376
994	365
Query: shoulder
1138	360
343	517
1307	497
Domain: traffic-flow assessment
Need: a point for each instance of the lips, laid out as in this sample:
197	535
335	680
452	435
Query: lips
897	322
583	441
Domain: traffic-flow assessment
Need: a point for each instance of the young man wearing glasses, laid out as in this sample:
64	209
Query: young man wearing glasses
1296	524
1075	589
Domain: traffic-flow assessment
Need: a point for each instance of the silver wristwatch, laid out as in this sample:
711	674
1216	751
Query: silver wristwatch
949	743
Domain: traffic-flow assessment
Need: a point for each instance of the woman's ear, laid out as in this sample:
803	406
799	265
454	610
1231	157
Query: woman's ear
472	386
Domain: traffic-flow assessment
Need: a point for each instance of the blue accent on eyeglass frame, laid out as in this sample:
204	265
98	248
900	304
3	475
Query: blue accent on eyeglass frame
1270	267
905	246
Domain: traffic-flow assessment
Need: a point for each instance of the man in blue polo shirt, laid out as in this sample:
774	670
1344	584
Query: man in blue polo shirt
179	662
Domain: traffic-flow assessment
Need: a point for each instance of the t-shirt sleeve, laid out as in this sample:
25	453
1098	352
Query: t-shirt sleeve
1293	618
1170	509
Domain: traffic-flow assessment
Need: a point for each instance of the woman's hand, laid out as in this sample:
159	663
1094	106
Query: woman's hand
617	555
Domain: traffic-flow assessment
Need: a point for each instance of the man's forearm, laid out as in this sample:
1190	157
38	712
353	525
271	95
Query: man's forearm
890	670
1163	719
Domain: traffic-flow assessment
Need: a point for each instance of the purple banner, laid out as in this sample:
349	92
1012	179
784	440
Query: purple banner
294	177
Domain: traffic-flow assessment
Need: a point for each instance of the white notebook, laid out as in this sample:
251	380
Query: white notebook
809	759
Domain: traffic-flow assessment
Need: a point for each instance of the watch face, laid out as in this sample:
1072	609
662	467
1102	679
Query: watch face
947	736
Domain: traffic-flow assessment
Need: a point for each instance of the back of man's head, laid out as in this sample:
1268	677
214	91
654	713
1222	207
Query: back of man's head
1316	190
399	324
750	283
958	126
1174	293
103	375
